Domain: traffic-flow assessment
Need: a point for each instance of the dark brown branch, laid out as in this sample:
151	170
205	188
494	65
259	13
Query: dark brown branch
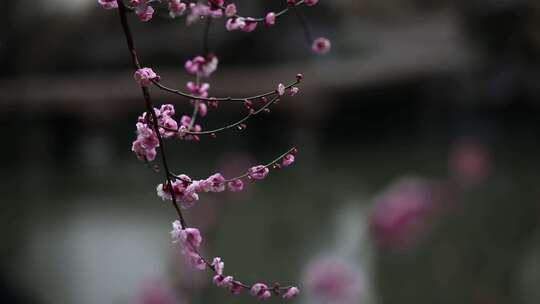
237	99
149	106
229	126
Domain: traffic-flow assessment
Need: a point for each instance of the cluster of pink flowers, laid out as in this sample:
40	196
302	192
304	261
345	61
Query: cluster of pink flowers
190	239
155	124
214	9
186	190
146	142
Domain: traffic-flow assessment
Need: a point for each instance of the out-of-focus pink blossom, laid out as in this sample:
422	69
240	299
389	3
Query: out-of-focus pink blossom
332	280
156	293
202	66
294	90
402	213
321	45
311	2
470	162
176	8
196	260
258	172
108	4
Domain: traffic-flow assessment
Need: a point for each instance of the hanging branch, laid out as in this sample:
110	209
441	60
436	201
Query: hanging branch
155	125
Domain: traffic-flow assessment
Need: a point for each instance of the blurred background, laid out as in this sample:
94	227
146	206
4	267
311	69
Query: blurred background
416	180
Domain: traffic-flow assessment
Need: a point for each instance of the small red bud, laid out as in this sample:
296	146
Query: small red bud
294	151
299	77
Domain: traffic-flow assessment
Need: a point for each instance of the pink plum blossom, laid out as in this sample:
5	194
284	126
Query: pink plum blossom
176	8
145	12
250	25
218	265
202	66
200	90
217	182
311	2
321	45
144	76
235	288
291	293
196	260
287	160
258	172
230	10
146	143
294	90
184	192
236	185
260	291
108	4
280	89
234	23
270	19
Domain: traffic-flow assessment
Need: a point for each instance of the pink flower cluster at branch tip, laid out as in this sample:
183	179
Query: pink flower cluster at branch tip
321	45
144	76
291	293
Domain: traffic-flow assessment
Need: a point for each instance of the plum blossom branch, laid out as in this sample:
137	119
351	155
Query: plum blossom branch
286	158
154	125
220	99
240	124
260	19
